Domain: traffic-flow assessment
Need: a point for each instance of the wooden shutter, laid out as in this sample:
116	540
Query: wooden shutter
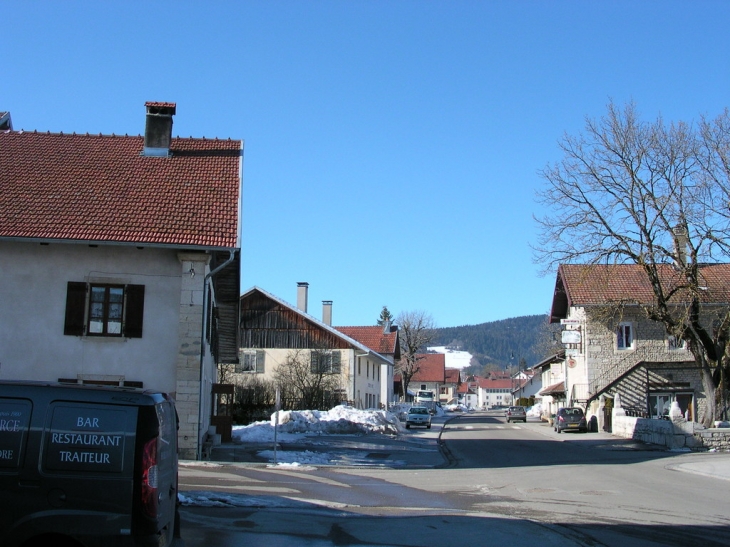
315	358
74	325
134	311
260	356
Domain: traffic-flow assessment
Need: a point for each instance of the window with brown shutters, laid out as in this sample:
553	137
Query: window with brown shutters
98	309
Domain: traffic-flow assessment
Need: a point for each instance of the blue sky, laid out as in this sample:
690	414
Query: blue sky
391	148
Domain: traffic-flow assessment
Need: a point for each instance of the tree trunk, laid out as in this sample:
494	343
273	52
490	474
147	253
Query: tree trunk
708	383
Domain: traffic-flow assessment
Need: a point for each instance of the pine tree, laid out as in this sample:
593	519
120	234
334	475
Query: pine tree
385	316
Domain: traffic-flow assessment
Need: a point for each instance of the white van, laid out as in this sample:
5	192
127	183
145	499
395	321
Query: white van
427	399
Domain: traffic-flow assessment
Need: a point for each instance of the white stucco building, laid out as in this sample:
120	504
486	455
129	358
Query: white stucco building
120	260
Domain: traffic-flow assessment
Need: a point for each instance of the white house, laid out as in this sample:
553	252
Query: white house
120	260
271	330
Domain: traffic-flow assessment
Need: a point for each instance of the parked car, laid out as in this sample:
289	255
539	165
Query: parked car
87	465
418	415
570	419
516	413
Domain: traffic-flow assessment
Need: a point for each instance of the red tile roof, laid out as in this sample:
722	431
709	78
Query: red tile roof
489	383
99	188
373	337
453	375
586	285
158	104
431	368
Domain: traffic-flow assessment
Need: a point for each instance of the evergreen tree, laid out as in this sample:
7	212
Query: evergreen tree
385	316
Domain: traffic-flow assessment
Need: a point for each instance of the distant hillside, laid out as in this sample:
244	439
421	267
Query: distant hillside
502	343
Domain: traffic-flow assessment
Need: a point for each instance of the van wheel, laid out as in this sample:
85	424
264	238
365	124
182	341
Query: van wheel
428	426
408	426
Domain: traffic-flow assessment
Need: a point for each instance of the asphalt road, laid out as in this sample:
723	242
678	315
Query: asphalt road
505	484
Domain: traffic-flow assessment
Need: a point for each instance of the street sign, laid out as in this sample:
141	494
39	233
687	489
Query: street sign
570	337
570	321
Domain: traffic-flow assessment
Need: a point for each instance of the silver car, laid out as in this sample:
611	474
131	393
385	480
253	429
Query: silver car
516	413
418	415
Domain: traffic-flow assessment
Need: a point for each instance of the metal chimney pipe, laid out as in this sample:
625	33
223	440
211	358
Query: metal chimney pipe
327	312
302	295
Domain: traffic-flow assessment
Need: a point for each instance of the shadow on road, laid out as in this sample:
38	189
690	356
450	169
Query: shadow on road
228	527
570	448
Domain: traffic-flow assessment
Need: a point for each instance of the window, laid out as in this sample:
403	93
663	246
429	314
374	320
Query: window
97	309
105	310
251	361
325	362
624	336
675	343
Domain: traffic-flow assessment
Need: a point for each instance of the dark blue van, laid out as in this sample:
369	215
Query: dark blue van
87	466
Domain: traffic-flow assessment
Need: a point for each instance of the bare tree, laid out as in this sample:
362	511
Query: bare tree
416	330
655	195
310	379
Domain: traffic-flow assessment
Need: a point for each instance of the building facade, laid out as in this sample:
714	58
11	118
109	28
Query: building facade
121	261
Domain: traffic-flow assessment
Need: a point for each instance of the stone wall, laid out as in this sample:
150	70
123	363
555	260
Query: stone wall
671	434
715	439
678	434
650	344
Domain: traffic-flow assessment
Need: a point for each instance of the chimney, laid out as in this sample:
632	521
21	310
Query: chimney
302	292
6	124
386	327
158	129
327	312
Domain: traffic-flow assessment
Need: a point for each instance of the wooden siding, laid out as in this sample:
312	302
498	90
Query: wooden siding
227	284
265	323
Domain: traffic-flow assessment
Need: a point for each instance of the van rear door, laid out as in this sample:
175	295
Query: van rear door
155	483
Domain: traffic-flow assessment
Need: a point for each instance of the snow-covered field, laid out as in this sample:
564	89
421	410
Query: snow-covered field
454	359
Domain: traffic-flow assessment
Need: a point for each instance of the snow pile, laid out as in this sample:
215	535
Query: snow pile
535	411
341	420
456	408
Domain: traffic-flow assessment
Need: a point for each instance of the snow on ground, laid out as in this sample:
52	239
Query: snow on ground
454	358
535	411
298	426
341	420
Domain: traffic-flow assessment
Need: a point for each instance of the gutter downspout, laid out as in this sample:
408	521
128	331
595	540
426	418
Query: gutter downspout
231	258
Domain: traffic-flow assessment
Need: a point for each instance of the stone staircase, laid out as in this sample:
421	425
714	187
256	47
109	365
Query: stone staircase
612	375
